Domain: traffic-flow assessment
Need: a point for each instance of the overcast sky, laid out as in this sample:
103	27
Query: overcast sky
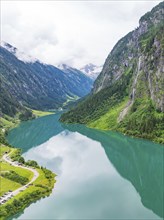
71	32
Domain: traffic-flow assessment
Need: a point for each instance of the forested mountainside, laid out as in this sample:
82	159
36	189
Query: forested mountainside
10	106
128	95
36	85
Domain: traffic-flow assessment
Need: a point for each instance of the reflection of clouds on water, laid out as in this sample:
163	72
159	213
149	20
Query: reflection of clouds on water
56	164
88	186
71	153
99	172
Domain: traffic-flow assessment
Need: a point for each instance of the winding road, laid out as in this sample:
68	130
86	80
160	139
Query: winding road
22	188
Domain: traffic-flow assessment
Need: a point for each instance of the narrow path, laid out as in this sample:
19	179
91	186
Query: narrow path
22	188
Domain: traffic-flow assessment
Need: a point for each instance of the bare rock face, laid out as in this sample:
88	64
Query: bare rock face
128	95
141	51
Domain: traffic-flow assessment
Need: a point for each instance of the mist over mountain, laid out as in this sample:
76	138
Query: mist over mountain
36	85
91	70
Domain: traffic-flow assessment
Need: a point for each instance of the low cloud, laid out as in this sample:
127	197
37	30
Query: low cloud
73	32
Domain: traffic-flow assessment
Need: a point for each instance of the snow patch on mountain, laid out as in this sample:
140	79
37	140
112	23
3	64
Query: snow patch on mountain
68	69
19	54
91	70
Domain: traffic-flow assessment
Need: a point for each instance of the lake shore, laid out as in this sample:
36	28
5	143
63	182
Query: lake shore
99	163
11	162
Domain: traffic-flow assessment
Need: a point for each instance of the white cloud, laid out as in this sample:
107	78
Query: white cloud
72	32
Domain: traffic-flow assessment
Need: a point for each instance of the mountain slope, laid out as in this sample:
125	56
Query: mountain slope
9	107
80	77
91	70
37	85
128	95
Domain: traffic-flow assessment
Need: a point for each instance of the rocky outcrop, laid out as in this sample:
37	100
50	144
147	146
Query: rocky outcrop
128	95
142	51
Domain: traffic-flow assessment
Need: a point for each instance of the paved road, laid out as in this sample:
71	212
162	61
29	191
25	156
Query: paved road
22	188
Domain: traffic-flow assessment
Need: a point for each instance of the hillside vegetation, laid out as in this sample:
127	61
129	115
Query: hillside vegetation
128	95
12	178
36	85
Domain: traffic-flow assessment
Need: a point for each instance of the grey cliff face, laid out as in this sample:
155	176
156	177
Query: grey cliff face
142	51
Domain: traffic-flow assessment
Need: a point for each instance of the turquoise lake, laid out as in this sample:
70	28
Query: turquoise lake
100	174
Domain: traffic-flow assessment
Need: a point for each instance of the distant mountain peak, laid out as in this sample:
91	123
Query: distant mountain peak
37	85
19	54
63	66
88	67
91	70
9	47
73	71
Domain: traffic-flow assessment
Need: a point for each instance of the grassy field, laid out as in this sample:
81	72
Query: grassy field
4	149
109	120
41	113
6	122
6	185
41	183
41	179
25	173
41	187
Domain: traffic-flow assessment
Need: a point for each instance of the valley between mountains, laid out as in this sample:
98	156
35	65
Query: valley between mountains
128	95
85	143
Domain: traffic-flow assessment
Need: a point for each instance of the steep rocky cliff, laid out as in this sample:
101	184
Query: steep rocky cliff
128	95
142	51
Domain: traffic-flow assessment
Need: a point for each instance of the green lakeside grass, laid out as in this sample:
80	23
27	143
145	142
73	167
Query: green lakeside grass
6	122
108	121
4	149
41	184
40	188
41	179
22	172
6	185
41	113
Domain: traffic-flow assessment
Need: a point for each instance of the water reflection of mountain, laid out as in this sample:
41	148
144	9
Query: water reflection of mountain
35	132
139	161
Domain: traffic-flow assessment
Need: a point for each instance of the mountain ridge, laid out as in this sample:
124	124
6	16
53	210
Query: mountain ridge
91	70
37	85
128	95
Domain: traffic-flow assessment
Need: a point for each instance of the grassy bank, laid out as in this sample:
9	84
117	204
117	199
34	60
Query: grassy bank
40	188
143	120
12	178
109	120
38	113
7	122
